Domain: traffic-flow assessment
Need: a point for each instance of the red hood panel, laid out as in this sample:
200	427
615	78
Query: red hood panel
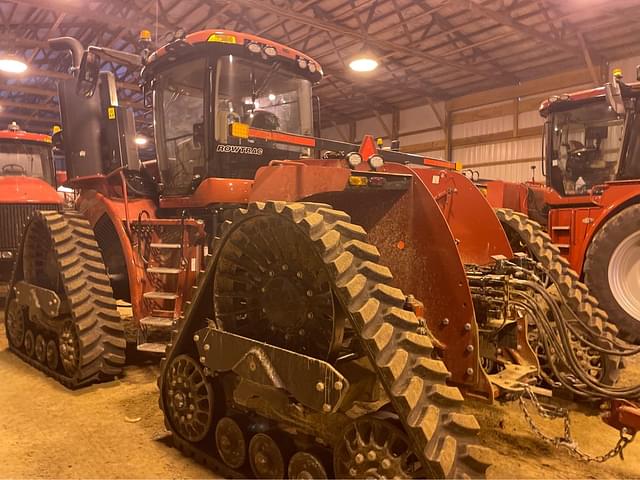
19	189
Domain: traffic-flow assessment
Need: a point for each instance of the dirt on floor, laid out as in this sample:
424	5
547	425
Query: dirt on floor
115	430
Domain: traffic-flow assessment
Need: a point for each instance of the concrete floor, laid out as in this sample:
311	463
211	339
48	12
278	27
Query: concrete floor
115	430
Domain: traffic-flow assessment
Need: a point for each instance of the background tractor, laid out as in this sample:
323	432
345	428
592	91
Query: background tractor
590	204
27	183
257	258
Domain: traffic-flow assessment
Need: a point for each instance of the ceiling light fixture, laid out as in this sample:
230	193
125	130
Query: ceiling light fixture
365	62
141	140
12	65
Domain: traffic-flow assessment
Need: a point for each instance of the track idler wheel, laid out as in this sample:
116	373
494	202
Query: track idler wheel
230	443
188	397
29	343
51	355
305	465
69	348
15	324
265	457
373	448
40	348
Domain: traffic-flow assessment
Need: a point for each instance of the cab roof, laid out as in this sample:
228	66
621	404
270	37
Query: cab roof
21	135
574	99
231	38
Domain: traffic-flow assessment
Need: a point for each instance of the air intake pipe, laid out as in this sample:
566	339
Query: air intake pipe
71	44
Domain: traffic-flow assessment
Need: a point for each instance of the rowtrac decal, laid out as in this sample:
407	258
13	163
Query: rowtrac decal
239	149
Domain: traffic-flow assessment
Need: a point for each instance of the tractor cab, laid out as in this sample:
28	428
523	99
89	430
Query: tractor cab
587	135
25	154
210	89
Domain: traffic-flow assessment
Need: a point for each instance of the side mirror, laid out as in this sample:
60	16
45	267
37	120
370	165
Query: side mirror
88	74
614	96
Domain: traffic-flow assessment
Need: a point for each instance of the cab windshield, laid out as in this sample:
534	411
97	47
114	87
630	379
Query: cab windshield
584	147
26	159
264	96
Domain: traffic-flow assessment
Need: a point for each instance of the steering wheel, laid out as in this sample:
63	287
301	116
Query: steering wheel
13	167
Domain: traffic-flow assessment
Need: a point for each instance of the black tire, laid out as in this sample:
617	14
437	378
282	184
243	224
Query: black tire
596	269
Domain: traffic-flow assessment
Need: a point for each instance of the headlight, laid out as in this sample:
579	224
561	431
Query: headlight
254	47
376	161
302	63
354	159
270	51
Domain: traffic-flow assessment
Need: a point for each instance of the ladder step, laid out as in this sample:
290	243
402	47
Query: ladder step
561	227
152	347
562	245
158	322
164	270
173	246
160	295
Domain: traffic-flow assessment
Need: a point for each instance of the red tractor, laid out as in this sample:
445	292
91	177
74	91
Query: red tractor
27	184
590	204
290	347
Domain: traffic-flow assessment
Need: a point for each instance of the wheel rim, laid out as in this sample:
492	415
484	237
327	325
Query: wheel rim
69	348
188	398
29	341
230	443
265	457
40	348
303	466
270	285
373	448
624	275
52	355
15	324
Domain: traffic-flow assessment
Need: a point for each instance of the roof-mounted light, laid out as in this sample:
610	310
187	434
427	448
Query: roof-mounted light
312	67
302	63
254	47
270	51
220	37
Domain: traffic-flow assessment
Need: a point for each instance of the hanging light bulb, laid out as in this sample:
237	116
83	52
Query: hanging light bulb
365	61
12	64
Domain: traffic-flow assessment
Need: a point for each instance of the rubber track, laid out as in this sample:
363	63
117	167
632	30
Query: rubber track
444	439
575	292
88	291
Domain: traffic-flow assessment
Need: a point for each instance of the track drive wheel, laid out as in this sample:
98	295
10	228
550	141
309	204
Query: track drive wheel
315	258
526	235
59	252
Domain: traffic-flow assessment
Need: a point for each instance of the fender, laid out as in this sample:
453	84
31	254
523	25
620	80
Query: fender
93	205
614	198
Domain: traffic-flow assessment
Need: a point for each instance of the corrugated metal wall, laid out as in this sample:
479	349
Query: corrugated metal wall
495	146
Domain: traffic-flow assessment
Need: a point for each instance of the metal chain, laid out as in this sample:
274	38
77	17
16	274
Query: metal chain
567	442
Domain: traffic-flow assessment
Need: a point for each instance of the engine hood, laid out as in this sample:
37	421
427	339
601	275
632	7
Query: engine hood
20	189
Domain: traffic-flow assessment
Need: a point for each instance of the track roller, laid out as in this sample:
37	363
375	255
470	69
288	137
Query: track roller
230	443
265	457
305	466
